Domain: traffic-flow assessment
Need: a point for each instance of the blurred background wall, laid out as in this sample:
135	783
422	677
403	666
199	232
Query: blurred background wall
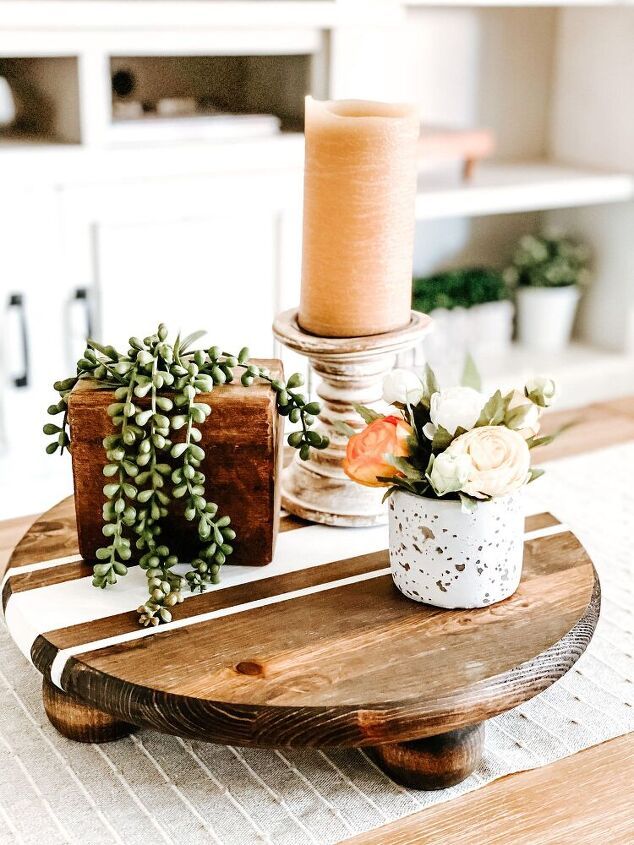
151	169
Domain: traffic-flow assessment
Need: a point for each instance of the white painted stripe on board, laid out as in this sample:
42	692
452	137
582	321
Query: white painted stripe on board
60	561
63	655
25	625
36	567
546	531
47	608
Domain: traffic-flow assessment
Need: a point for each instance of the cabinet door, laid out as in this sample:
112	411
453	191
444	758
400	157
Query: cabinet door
219	252
216	273
32	302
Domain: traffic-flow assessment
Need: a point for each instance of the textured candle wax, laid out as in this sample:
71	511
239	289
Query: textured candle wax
359	193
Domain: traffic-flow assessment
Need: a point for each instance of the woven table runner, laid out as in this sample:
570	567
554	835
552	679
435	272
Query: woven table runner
153	787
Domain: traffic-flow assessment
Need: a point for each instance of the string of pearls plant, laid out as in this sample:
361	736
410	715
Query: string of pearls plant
156	384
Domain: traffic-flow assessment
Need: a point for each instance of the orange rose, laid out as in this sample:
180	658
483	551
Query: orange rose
365	459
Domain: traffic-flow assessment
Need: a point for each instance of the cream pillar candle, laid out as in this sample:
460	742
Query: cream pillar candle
359	193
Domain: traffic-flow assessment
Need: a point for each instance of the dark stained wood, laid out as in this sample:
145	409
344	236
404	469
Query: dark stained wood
540	805
230	706
540	520
52	535
242	439
340	666
49	535
75	720
395	612
434	763
216	599
46	647
52	575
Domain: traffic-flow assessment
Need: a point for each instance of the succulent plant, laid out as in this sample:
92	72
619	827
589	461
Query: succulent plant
156	384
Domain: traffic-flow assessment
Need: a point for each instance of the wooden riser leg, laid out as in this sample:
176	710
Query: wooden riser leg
433	763
78	721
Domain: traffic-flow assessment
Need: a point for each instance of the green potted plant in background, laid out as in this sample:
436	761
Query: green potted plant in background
472	313
548	272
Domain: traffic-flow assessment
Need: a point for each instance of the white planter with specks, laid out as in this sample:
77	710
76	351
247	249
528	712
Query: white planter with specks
443	556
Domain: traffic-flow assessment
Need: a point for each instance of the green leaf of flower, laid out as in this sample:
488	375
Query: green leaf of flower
441	440
404	466
469	504
430	385
494	410
367	414
470	374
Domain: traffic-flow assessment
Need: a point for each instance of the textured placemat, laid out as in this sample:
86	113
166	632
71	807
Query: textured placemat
152	787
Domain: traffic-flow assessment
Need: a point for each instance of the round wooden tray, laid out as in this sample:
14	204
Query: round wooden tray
316	649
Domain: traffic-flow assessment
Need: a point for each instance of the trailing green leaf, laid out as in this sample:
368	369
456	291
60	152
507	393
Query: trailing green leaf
140	450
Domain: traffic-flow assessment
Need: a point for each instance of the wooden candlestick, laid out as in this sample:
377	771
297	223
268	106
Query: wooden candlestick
351	371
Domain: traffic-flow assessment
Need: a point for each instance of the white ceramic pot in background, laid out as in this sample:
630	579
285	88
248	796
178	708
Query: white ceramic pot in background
545	316
443	556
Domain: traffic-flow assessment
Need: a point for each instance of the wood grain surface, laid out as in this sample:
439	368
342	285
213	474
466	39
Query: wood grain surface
540	806
339	666
74	720
242	439
575	801
434	763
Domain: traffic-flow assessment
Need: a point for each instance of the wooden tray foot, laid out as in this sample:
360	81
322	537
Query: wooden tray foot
78	721
435	762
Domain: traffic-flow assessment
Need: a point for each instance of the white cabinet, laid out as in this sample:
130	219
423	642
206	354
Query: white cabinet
33	303
220	252
216	273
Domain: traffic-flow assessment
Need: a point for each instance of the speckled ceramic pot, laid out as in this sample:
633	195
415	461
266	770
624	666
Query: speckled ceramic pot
442	556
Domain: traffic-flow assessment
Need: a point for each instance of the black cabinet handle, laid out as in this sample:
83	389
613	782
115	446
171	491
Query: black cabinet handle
78	324
83	295
16	300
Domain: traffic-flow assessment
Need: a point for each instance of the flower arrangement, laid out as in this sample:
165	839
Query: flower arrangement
453	443
548	262
156	385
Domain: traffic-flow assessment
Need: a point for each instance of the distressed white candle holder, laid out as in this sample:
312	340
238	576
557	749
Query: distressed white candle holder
351	371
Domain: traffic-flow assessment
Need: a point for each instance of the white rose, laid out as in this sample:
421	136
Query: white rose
500	460
402	386
449	472
542	390
456	407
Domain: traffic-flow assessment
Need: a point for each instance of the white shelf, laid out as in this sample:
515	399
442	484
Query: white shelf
47	164
157	14
508	188
516	3
584	373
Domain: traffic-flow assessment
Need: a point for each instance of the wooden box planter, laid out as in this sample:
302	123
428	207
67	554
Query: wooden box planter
242	439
